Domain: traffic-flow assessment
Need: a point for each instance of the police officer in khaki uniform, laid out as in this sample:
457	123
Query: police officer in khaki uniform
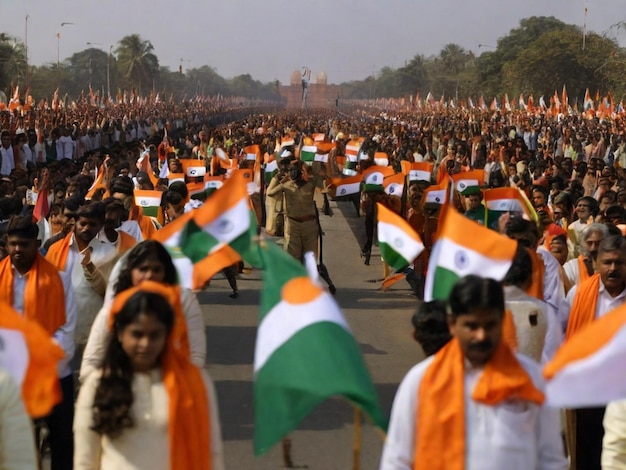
301	226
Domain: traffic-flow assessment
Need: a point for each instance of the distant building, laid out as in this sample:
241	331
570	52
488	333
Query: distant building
320	94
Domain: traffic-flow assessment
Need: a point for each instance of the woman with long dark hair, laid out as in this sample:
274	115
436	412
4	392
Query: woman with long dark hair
146	261
148	406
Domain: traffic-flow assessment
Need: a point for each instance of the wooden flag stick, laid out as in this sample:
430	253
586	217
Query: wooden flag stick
288	463
356	449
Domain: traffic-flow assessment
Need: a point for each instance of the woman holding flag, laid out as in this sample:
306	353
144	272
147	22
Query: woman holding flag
147	395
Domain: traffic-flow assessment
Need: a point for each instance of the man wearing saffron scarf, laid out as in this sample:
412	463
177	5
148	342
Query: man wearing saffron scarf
37	290
590	300
583	267
474	405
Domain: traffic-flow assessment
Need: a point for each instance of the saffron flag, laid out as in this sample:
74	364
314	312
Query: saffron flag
304	354
253	152
465	247
469	182
381	159
30	357
149	200
586	370
399	243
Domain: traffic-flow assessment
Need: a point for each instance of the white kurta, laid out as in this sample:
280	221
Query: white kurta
146	444
511	436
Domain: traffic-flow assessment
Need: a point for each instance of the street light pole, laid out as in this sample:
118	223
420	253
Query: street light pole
108	73
26	47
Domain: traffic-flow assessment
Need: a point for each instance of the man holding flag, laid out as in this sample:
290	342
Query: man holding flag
474	404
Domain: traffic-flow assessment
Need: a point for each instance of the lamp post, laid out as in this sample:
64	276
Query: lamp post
108	73
26	48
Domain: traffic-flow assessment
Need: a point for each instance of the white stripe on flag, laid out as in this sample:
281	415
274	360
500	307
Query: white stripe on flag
195	171
505	205
217	184
271	166
399	241
285	320
321	158
395	189
250	156
437	197
147	201
231	223
419	175
347	189
463	261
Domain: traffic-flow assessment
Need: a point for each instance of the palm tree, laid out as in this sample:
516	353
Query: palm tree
136	61
453	57
12	62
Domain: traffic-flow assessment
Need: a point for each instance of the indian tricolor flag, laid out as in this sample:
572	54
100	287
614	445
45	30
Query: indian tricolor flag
253	152
510	200
149	201
287	141
465	247
169	236
304	354
585	371
212	183
271	167
399	244
341	187
417	171
374	176
193	168
319	137
381	159
469	182
307	153
394	184
173	177
352	150
31	358
436	194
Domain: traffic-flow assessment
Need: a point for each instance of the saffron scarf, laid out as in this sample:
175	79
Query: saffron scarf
58	252
440	440
583	274
44	295
189	420
125	242
583	309
536	286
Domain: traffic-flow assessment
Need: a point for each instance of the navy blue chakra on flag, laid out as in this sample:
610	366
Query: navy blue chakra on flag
461	260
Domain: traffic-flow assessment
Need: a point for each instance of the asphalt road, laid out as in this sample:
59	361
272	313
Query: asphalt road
379	320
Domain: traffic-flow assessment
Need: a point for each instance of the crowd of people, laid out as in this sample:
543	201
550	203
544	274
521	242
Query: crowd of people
72	224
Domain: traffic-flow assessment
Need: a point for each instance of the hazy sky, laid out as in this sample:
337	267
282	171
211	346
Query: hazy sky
348	39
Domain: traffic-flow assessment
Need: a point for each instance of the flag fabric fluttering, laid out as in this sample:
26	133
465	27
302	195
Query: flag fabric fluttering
374	176
305	352
462	248
30	357
307	153
208	239
342	187
469	182
584	371
394	184
399	243
417	171
149	200
510	200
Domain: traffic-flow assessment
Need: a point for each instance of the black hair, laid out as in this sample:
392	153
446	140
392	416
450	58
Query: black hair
113	397
180	188
612	243
474	292
430	326
92	210
520	226
22	226
122	184
137	255
521	269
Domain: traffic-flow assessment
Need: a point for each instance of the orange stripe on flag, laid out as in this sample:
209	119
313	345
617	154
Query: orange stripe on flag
465	232
208	267
228	196
389	217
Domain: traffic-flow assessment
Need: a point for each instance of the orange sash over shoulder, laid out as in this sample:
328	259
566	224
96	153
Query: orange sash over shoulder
440	437
189	419
583	274
536	286
57	254
125	242
44	296
145	223
583	309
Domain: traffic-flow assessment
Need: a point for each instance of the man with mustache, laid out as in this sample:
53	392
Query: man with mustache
582	268
590	300
474	404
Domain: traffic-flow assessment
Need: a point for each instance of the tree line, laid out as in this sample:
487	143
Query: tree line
539	56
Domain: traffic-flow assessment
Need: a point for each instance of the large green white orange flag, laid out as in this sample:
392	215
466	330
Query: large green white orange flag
305	352
216	235
465	247
399	244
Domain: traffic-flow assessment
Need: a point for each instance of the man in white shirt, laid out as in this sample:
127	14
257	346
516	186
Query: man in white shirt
26	262
6	152
589	301
583	267
442	416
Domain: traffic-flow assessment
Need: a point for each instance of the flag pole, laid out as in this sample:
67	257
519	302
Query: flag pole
356	448
287	462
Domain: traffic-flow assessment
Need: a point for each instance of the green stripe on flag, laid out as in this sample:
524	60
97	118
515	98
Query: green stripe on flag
392	257
195	242
443	282
150	211
316	363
